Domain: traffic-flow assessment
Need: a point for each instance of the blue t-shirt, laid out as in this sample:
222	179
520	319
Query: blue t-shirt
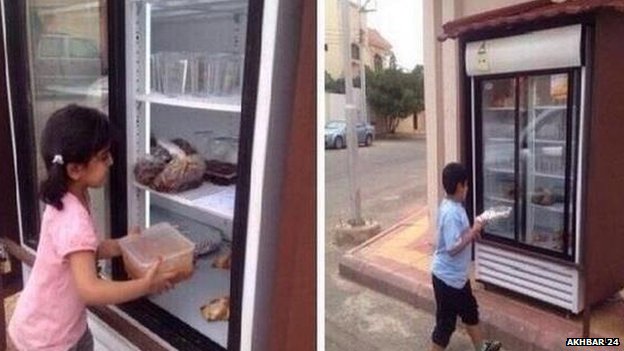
452	222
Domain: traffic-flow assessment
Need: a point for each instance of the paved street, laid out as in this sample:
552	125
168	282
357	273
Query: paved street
393	177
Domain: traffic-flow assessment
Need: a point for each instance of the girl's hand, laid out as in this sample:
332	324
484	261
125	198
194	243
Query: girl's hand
135	230
158	282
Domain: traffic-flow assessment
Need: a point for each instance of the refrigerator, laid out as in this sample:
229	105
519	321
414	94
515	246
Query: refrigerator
526	133
198	87
543	138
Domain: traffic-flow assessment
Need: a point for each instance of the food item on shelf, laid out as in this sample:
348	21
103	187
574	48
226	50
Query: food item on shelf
185	146
160	153
559	236
221	173
217	309
205	241
148	168
538	237
163	240
223	261
182	173
509	190
173	166
543	196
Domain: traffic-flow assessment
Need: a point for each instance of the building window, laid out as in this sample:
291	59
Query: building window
355	52
378	62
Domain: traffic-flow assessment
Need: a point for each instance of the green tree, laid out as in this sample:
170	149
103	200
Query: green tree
334	85
337	86
394	94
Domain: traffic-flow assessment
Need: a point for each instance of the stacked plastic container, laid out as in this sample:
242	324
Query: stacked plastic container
197	74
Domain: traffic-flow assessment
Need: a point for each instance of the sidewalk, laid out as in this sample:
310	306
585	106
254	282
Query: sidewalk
397	263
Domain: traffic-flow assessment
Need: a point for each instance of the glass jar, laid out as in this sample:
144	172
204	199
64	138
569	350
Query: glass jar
224	149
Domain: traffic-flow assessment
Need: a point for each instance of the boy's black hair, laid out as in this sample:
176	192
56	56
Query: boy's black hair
76	133
453	174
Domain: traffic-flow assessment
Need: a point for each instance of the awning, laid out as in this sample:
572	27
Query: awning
508	17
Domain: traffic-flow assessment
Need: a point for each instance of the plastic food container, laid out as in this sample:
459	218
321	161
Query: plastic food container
160	240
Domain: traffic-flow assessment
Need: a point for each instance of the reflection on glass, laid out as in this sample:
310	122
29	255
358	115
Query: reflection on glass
67	61
498	126
543	140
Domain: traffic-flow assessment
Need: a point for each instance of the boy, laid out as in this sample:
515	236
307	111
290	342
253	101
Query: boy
451	262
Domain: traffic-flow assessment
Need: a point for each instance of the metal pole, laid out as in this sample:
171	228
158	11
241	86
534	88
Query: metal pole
352	144
363	106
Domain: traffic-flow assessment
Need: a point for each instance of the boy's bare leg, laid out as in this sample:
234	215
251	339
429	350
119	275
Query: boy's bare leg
474	331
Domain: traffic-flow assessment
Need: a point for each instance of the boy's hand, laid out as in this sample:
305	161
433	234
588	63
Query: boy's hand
477	227
158	282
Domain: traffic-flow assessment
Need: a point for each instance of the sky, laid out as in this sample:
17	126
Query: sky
401	23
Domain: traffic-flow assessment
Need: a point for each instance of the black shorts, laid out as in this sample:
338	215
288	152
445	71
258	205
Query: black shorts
450	303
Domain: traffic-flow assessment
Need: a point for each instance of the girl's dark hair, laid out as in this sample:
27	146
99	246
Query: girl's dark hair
453	174
76	134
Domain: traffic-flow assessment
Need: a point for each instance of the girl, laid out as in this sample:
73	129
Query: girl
51	314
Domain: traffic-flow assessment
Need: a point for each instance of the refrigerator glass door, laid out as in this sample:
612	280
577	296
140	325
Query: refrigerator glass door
65	47
544	149
498	126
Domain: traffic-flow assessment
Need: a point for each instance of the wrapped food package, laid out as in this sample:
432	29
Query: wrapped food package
147	169
543	196
223	261
182	173
184	145
221	173
495	213
206	242
217	309
160	153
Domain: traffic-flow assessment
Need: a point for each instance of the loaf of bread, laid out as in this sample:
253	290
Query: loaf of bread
217	309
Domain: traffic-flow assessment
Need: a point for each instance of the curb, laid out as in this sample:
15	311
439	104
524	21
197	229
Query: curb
517	325
345	235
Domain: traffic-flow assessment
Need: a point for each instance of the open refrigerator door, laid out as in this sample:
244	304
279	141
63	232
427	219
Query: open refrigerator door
185	64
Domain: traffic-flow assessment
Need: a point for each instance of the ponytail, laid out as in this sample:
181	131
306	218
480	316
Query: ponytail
54	187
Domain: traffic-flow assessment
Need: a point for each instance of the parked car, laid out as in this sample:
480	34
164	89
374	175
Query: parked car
64	62
336	134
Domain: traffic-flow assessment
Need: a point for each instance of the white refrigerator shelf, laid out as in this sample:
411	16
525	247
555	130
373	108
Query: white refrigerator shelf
215	103
210	203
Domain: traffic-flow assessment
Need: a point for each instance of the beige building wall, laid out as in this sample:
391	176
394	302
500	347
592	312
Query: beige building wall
333	37
473	7
370	58
442	73
407	125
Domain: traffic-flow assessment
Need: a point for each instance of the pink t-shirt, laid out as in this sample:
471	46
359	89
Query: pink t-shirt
50	315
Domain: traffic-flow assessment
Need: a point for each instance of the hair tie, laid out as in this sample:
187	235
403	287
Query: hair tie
58	159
